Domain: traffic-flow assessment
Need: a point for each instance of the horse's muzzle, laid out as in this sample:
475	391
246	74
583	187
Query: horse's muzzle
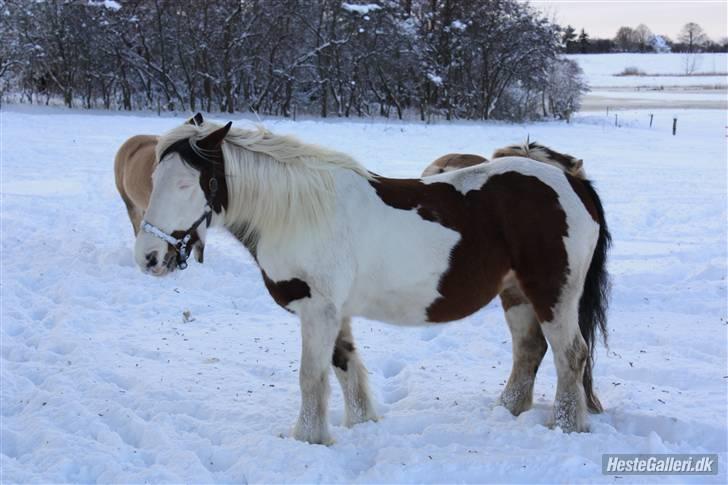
156	267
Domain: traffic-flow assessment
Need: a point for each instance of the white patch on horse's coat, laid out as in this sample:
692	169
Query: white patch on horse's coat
393	276
397	275
463	179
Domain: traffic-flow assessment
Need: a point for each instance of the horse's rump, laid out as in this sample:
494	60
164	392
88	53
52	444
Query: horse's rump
507	220
452	161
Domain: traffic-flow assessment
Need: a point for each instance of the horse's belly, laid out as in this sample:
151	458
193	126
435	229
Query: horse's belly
400	289
396	306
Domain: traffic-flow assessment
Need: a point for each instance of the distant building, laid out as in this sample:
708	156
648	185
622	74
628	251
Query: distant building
659	44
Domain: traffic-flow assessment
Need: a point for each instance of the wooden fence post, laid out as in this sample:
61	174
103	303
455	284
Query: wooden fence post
674	126
616	120
651	115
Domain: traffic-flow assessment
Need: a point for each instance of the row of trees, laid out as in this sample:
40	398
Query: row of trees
692	39
476	59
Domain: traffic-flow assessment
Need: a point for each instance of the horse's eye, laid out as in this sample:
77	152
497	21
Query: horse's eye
184	185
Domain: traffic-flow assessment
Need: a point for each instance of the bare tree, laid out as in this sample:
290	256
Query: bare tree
454	58
566	85
625	39
642	36
693	35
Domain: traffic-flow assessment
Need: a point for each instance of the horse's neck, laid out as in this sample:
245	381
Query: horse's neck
290	214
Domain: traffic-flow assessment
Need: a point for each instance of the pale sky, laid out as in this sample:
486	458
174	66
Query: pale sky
602	18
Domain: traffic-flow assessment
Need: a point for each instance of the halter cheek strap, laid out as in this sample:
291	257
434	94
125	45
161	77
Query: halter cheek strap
181	243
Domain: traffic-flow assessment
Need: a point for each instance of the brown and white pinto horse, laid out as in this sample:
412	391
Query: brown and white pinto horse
535	151
334	241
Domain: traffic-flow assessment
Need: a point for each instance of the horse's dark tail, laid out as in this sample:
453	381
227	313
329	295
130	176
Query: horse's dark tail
595	298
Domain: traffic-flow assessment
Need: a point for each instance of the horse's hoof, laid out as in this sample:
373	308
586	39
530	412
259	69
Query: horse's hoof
568	425
314	437
353	422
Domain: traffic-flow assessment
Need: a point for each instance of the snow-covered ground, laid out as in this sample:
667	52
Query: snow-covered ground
664	85
661	69
104	379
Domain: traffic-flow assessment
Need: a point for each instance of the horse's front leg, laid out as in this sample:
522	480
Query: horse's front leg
352	376
320	325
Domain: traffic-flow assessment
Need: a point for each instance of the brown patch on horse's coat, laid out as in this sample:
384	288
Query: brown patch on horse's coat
576	355
286	291
513	222
342	349
452	161
512	296
212	167
577	185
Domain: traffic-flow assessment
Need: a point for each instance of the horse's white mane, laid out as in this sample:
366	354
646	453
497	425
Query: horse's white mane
276	183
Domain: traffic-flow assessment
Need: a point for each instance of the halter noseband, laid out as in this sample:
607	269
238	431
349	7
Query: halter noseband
180	244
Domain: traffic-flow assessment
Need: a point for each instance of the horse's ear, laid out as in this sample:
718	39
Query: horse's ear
214	139
578	164
196	120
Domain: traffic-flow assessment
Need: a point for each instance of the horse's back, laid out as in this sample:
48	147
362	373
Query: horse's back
133	167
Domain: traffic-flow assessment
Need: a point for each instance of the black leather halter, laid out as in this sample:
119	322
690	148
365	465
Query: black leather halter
181	243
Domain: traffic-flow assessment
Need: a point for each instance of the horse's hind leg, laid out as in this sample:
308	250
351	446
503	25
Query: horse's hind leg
529	347
570	356
352	376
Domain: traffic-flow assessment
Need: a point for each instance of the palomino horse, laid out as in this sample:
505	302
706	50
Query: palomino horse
452	161
133	167
334	240
535	151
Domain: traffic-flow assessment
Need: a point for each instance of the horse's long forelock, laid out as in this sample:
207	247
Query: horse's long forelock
276	183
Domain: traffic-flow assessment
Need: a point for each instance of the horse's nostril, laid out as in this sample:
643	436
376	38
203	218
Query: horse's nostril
151	259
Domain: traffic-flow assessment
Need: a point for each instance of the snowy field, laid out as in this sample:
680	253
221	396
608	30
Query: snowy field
663	87
661	69
109	375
